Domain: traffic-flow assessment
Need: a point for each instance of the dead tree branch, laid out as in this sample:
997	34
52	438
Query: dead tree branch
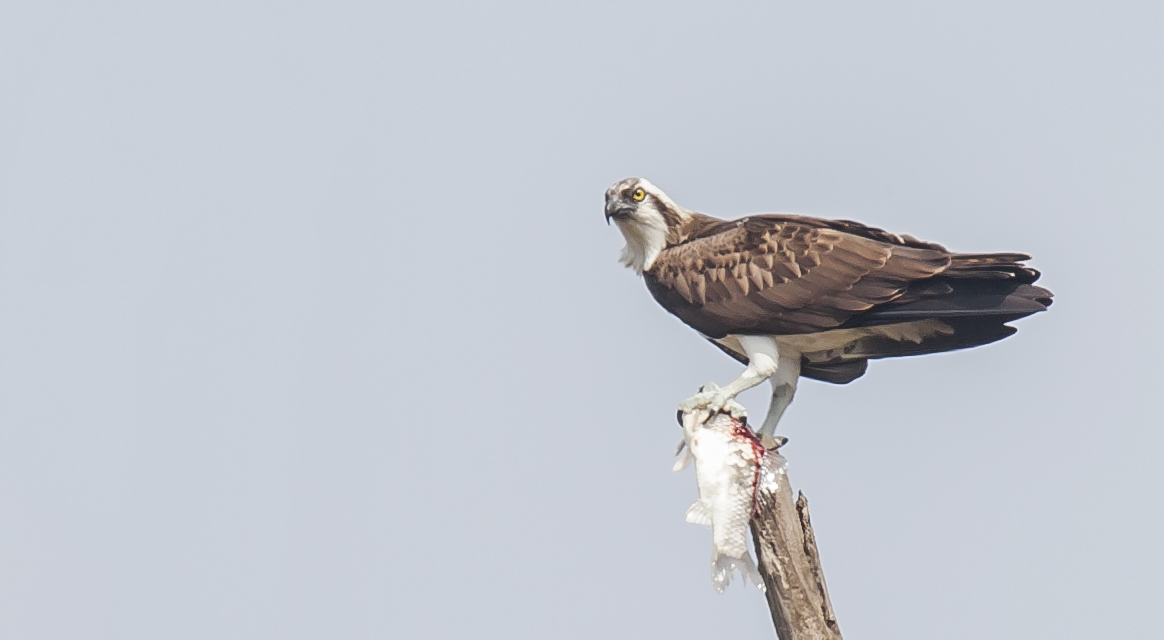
790	565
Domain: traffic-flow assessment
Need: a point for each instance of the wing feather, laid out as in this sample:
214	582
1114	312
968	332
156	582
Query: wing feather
680	284
780	275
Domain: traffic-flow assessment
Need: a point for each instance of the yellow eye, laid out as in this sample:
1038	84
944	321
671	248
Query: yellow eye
638	195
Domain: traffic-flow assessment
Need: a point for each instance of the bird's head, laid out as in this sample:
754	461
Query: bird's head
648	219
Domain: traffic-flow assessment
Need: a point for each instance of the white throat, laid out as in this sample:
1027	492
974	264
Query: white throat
646	236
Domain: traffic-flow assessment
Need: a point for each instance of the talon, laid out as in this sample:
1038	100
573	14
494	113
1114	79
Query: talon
712	399
772	443
736	410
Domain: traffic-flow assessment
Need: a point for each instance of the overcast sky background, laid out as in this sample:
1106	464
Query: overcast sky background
310	325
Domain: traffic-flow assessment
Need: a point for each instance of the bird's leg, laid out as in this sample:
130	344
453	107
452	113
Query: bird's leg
783	389
762	363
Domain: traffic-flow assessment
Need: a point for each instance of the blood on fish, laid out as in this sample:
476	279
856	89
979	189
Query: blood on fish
758	451
729	466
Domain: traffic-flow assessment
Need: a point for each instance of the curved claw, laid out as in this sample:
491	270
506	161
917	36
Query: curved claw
735	410
714	400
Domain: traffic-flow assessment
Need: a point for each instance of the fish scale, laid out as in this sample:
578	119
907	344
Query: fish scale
730	464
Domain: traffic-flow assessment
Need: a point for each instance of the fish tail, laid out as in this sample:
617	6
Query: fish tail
723	566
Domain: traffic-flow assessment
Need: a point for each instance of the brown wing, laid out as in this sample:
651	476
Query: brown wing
785	275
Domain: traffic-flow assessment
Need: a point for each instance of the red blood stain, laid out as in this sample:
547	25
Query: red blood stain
741	430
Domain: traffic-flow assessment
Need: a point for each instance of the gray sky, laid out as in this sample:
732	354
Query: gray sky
310	326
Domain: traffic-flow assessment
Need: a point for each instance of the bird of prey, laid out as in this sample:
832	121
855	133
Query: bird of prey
793	296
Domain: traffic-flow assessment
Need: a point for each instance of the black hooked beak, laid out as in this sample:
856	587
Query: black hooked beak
615	209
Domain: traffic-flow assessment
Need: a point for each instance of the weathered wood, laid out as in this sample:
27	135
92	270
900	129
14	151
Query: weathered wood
790	565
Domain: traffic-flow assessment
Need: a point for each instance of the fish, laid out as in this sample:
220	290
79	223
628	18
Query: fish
730	465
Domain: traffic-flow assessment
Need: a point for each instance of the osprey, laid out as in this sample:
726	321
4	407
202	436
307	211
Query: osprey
793	296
